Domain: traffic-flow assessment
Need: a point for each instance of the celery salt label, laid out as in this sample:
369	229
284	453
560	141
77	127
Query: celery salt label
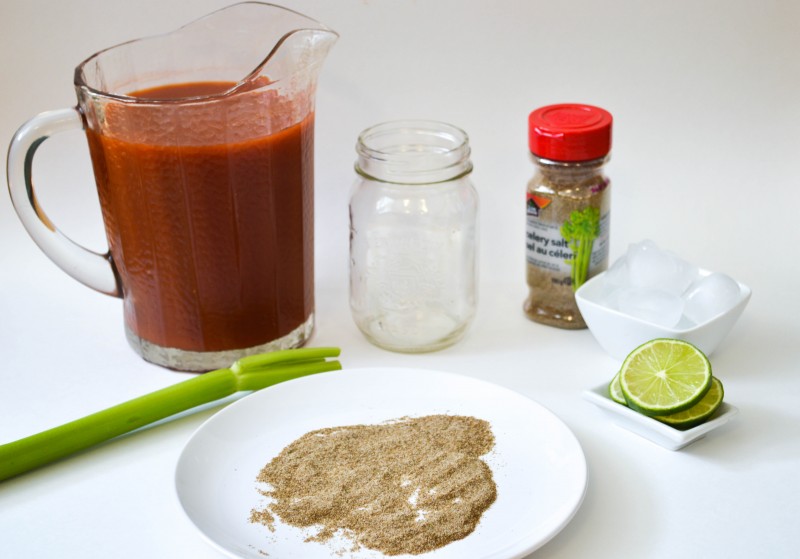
546	247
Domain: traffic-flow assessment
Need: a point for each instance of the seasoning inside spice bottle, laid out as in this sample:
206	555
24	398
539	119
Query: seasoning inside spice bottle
567	229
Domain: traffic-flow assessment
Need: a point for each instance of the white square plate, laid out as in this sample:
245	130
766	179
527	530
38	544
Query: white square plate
652	429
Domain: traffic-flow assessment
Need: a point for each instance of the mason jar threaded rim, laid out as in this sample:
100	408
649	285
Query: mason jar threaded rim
413	152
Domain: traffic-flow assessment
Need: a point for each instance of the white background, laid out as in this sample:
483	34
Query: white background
705	162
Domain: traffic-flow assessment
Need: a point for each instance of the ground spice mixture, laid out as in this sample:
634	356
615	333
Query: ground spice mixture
407	486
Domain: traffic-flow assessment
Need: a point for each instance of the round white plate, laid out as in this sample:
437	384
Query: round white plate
537	462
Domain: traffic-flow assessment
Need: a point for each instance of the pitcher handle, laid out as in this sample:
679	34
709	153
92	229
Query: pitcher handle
90	268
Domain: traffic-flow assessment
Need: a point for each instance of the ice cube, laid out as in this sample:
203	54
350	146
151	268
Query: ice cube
613	279
648	264
653	305
653	268
617	273
685	275
711	296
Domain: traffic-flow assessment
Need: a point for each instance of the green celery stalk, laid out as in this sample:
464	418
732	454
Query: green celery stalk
246	374
585	254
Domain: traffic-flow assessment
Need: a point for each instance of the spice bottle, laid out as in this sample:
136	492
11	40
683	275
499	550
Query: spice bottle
567	209
413	236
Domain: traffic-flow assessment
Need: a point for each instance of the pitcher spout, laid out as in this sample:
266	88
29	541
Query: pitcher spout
296	56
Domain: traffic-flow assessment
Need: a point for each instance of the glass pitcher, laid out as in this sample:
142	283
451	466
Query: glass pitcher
202	144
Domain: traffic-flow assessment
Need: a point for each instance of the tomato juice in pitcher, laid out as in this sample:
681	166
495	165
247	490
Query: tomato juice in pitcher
230	221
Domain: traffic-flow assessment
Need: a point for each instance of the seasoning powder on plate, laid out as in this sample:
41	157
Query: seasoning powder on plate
409	485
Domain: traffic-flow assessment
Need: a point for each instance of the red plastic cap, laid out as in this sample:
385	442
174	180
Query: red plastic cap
570	132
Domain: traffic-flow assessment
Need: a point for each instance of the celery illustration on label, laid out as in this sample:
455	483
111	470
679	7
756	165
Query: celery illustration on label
580	231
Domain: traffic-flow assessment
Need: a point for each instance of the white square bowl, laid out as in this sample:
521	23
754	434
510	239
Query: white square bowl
652	429
619	333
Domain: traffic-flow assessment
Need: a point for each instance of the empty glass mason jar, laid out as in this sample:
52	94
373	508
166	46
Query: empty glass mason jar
413	236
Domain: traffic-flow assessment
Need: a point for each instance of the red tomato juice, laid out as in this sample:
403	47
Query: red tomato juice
212	241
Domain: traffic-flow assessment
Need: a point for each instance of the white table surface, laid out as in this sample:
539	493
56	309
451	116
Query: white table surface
705	162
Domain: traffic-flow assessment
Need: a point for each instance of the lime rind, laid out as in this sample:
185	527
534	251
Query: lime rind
664	376
615	392
700	412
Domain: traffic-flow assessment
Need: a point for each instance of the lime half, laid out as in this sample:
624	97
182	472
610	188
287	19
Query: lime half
615	392
699	412
664	376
